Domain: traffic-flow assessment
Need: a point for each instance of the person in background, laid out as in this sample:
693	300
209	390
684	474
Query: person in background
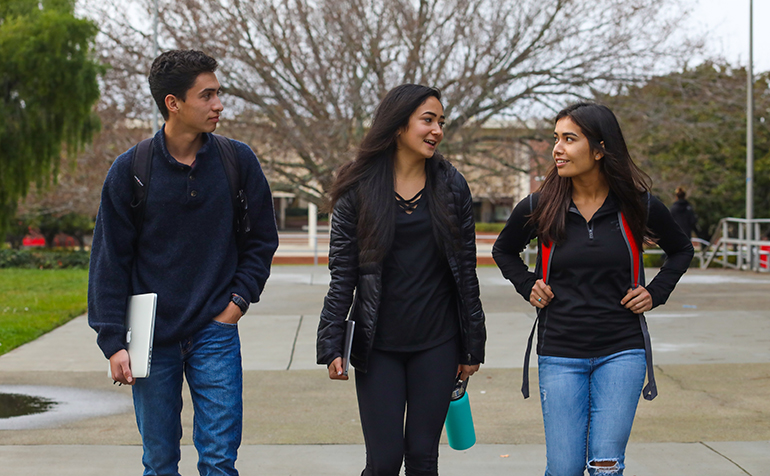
591	217
683	213
403	241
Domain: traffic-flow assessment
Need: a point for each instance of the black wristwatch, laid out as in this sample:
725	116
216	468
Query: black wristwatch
240	302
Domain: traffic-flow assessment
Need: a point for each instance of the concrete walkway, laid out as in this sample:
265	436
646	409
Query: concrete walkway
712	356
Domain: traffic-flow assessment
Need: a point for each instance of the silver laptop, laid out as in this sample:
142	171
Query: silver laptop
140	329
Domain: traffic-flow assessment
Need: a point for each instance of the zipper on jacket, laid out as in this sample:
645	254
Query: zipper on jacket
589	224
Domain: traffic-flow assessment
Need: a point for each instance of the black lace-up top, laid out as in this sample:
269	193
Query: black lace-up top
418	309
408	205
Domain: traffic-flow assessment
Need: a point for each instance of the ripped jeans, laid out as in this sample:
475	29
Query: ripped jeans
588	409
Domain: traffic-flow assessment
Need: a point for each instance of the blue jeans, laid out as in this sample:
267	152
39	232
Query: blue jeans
210	360
588	409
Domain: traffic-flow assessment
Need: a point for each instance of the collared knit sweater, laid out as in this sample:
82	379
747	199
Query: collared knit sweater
186	251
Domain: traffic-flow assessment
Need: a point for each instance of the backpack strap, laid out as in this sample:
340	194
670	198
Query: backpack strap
545	251
650	391
633	251
141	168
233	172
544	261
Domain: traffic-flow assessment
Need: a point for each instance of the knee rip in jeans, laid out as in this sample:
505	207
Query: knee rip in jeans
604	466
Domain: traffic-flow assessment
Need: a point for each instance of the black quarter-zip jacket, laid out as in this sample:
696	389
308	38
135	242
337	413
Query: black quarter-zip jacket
589	276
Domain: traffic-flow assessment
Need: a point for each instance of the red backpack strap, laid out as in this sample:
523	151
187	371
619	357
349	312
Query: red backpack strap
633	251
650	391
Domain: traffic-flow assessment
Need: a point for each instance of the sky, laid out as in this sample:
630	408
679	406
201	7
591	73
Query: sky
727	24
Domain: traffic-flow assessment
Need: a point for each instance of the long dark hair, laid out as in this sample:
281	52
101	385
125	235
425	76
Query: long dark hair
626	180
371	176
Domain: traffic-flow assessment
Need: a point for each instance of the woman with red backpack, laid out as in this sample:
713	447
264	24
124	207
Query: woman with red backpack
591	216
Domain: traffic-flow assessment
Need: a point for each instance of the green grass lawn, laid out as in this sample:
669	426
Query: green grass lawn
35	301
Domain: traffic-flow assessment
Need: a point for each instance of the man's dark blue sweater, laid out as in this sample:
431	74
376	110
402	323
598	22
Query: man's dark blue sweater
186	251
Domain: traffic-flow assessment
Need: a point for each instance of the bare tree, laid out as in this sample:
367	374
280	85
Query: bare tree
308	73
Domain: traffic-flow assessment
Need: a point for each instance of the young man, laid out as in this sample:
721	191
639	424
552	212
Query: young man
187	250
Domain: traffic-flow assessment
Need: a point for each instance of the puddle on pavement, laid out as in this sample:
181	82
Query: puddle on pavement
26	407
14	404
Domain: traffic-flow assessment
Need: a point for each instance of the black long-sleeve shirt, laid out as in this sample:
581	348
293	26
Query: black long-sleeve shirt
418	309
589	276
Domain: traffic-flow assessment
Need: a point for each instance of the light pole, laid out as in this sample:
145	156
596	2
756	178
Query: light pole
750	139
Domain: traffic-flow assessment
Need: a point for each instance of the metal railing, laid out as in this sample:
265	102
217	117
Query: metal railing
730	247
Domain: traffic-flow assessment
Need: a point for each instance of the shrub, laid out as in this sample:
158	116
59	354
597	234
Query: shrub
42	259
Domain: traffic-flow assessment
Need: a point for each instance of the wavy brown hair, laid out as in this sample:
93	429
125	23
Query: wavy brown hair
626	180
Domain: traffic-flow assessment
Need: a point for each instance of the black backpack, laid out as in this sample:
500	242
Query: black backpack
141	171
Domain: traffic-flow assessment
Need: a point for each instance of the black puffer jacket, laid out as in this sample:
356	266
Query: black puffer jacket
347	276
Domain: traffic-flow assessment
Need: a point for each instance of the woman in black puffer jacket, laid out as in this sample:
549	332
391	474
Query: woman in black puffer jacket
411	264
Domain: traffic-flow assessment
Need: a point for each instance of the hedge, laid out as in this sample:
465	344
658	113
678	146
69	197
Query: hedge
44	259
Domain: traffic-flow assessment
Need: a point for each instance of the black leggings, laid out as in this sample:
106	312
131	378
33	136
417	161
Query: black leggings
420	381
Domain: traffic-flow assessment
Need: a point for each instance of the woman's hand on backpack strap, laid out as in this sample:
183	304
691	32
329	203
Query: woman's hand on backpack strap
637	300
541	294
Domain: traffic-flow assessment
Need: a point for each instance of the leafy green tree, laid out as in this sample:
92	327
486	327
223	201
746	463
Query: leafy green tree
48	87
689	128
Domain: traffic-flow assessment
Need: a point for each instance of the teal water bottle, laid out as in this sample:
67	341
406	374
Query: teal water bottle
459	420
